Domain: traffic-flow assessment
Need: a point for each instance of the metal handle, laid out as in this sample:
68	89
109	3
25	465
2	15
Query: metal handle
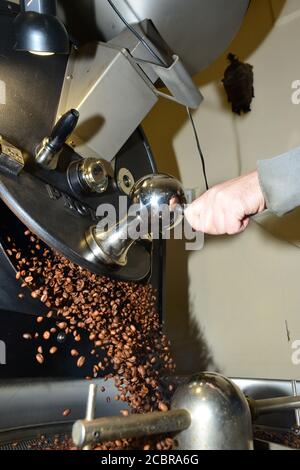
63	129
47	152
113	428
273	405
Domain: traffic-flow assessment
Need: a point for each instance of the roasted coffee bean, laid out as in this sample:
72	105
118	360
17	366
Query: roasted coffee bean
81	361
40	358
121	323
162	407
66	412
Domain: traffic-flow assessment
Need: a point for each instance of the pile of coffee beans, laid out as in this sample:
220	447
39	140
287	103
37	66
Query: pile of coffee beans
287	438
121	321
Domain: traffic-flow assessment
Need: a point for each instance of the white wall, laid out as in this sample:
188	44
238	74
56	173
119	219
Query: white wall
241	291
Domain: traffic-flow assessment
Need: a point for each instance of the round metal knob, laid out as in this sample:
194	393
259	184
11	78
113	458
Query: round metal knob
158	192
93	174
221	418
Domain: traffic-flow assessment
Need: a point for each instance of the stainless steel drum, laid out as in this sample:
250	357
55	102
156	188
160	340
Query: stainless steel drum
197	30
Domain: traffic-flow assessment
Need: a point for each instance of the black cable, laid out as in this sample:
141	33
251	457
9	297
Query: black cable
198	146
153	53
137	34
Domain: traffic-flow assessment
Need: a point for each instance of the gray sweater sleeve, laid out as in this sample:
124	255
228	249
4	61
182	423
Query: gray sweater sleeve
280	182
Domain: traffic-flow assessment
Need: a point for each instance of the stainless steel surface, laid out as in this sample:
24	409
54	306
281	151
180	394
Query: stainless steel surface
221	419
111	429
110	75
43	201
45	156
125	180
154	192
266	388
273	405
34	402
40	6
111	95
158	201
111	247
295	392
91	407
94	175
91	402
198	31
179	83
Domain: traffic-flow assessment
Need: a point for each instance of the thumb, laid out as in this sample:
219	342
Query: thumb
244	224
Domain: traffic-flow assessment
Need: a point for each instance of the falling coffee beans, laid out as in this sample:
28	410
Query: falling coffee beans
121	323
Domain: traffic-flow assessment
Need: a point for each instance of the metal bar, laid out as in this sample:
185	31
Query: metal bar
275	405
90	407
111	429
297	412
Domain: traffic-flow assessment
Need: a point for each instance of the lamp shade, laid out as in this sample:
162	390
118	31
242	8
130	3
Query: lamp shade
40	33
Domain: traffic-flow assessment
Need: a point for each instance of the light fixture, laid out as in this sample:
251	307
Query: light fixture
38	30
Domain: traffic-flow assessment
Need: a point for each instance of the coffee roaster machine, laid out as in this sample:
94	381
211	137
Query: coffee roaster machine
71	141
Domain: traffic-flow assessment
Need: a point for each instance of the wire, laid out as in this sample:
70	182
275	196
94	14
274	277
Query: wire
137	34
153	53
198	147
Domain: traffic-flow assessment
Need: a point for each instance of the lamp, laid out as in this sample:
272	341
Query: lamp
38	30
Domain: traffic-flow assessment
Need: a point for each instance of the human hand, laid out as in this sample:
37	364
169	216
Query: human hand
227	208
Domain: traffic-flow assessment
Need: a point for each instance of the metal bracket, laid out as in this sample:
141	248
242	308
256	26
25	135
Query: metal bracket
178	81
11	159
114	91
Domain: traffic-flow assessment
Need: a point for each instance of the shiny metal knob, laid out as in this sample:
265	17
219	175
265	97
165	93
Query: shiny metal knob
221	418
159	201
94	175
157	193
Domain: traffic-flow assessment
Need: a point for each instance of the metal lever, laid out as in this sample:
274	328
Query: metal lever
110	429
47	152
154	196
273	405
208	412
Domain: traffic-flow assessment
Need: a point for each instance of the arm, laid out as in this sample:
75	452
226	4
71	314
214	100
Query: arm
227	208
